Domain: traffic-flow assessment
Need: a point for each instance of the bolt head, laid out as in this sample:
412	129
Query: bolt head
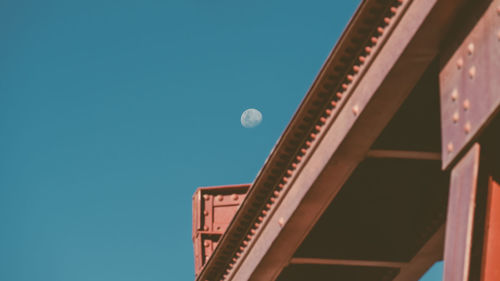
455	117
220	197
449	147
355	110
206	197
466	104
460	63
281	221
467	127
454	95
470	49
472	72
235	197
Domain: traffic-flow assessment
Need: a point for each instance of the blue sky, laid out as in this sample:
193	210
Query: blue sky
113	112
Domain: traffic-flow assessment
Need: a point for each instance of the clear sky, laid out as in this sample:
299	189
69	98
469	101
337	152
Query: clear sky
113	112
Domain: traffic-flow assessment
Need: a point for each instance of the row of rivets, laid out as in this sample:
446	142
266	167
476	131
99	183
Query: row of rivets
312	136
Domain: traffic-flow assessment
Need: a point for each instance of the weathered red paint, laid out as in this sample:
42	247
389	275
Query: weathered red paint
491	252
469	85
460	217
213	210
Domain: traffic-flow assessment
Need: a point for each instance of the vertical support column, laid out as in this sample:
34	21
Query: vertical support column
491	250
460	217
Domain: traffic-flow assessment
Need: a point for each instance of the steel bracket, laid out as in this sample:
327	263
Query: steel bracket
470	85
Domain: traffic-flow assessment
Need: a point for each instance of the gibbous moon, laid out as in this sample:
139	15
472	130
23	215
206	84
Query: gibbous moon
251	118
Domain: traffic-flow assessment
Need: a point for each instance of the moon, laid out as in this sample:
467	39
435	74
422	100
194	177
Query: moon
251	118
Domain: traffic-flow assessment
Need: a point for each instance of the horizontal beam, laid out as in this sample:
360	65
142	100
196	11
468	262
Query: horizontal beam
347	262
404	154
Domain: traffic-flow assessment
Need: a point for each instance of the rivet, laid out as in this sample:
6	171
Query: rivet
472	72
333	103
350	77
284	179
344	86
322	119
312	135
298	158
374	40
276	193
328	112
355	110
252	231
218	227
206	196
235	197
467	127
220	197
205	213
339	94
303	150
289	172
281	221
380	30
466	104
460	63
308	143
470	49
393	10
498	10
205	228
387	20
498	35
207	244
455	117
355	68
317	128
449	147
267	206
362	59
454	95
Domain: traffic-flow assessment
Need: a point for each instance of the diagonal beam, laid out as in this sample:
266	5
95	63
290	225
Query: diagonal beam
430	253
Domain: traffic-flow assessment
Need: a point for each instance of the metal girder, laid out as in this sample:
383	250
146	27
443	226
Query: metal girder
470	85
491	249
460	217
367	263
405	56
404	154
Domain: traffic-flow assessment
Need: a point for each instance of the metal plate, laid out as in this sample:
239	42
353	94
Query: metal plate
460	217
470	85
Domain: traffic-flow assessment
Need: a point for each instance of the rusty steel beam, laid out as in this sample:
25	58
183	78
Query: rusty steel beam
469	83
430	253
491	249
404	154
460	216
344	142
367	263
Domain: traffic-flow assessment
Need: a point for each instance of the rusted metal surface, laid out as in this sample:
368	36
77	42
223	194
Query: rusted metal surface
213	210
460	217
470	88
491	251
390	77
364	263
